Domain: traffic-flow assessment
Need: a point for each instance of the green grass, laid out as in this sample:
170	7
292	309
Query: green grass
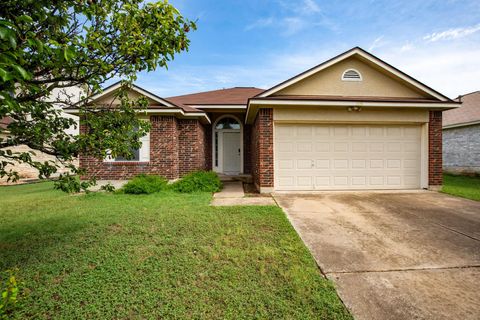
165	255
466	187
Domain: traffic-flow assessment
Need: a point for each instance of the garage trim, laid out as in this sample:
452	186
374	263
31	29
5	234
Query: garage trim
423	145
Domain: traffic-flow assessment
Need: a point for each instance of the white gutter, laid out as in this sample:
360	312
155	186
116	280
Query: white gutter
464	124
276	102
158	111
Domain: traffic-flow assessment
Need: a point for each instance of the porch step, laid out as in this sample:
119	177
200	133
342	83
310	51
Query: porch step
247	178
232	194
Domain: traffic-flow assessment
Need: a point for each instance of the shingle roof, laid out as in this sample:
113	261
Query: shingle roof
468	112
237	95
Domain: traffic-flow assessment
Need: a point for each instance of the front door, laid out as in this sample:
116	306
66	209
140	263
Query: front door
231	152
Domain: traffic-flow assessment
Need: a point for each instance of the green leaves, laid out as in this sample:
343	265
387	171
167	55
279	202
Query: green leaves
68	53
24	73
5	75
8	35
48	46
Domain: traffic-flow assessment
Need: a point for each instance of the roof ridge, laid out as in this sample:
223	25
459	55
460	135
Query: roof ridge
467	94
208	91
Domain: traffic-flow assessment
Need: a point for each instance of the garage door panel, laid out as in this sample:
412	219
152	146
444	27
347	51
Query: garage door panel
322	164
322	131
359	164
340	147
285	146
304	164
303	146
322	146
359	147
328	157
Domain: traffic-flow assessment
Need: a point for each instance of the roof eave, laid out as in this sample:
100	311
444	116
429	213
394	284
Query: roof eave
162	111
463	124
256	103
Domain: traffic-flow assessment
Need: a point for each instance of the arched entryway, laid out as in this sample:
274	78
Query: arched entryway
227	143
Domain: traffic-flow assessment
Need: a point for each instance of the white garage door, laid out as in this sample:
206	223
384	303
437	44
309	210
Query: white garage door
329	157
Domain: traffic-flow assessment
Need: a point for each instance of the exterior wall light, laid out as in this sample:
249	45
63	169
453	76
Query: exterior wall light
356	109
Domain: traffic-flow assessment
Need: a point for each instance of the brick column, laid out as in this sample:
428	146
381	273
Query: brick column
164	146
435	174
262	150
191	142
247	146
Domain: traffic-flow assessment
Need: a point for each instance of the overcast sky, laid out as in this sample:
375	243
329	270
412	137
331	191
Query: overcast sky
263	42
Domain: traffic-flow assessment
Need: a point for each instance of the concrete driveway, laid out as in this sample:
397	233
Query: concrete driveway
403	255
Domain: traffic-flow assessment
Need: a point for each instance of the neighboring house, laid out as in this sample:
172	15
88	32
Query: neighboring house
25	171
352	122
461	136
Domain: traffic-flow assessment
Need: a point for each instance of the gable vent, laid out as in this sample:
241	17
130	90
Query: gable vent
351	75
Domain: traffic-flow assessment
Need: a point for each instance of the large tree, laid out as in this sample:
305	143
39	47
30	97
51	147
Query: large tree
49	45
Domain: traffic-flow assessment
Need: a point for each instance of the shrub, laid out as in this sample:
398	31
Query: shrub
143	184
9	291
71	184
200	181
108	187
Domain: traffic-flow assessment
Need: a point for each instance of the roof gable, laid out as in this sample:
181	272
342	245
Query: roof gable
379	79
107	96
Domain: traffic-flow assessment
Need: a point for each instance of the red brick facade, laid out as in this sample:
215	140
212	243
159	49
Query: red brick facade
435	177
262	149
192	146
180	146
177	146
247	149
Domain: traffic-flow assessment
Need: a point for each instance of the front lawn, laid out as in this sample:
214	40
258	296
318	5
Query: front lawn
466	187
165	255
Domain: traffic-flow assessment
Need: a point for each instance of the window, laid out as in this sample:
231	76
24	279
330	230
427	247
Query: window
139	155
351	75
136	156
227	123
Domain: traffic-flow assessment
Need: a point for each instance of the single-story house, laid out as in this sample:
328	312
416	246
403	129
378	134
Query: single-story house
461	136
352	122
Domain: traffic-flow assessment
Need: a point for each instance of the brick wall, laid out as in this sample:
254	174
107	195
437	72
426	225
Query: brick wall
208	147
262	149
177	147
164	149
435	149
461	150
191	144
247	145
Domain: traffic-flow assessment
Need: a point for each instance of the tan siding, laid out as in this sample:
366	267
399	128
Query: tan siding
132	95
375	83
341	115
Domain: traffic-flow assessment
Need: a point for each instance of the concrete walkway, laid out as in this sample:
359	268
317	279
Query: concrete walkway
232	194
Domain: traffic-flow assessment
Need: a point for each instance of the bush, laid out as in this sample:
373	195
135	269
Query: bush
200	181
9	291
108	187
143	184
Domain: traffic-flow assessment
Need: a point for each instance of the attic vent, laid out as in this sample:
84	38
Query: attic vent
351	75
